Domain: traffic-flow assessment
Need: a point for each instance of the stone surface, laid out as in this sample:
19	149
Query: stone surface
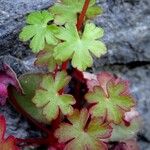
12	18
127	36
127	28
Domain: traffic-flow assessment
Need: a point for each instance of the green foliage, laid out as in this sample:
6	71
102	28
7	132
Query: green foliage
47	97
81	137
39	30
78	46
67	11
56	40
45	58
112	106
122	132
29	83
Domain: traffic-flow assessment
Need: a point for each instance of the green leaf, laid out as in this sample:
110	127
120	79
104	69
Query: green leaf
47	97
112	105
78	47
79	136
122	132
67	11
29	83
46	58
39	31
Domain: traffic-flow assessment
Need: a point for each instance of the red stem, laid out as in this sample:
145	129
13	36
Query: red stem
64	65
79	25
82	15
55	71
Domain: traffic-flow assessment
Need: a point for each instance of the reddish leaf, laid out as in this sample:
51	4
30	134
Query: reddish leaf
132	144
131	114
58	146
100	79
7	77
3	93
10	142
82	133
110	96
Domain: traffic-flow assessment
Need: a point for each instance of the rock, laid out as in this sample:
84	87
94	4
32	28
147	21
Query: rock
144	145
16	124
12	19
127	27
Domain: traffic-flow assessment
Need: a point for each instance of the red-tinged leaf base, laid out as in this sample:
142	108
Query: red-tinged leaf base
83	132
110	96
29	83
10	142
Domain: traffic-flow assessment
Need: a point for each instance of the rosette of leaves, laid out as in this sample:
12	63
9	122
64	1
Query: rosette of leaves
78	46
49	99
83	134
8	143
111	100
68	10
39	30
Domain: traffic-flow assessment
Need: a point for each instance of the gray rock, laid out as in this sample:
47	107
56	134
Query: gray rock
16	124
144	145
127	28
12	19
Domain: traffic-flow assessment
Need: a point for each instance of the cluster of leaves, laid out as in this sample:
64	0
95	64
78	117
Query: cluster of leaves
106	103
61	43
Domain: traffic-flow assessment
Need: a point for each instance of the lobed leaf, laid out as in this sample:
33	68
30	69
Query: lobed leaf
78	47
39	30
48	98
79	136
111	99
99	79
122	132
67	11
